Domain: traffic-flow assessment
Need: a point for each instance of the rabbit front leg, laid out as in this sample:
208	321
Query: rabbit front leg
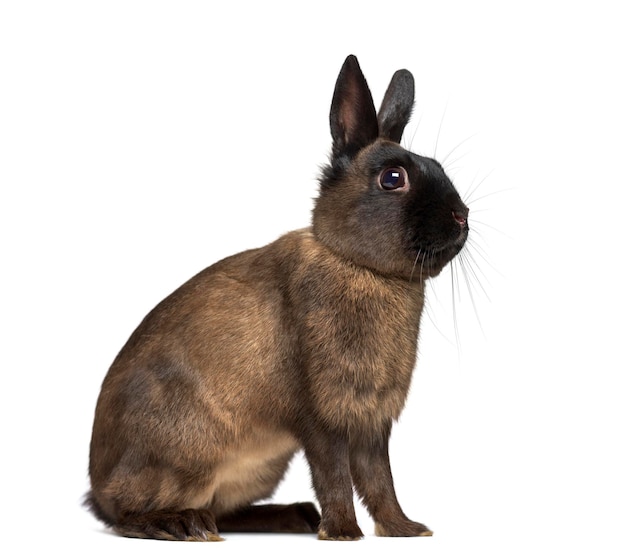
329	461
371	474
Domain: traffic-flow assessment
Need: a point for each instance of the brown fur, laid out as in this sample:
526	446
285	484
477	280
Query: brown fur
309	342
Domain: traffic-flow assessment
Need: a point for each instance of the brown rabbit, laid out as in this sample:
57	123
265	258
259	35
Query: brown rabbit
308	342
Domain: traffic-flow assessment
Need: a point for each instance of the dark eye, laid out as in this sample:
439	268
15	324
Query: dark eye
393	178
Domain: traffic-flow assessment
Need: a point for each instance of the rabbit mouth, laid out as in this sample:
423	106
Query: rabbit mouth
429	261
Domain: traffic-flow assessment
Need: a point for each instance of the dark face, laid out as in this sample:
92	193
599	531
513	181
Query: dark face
435	216
394	211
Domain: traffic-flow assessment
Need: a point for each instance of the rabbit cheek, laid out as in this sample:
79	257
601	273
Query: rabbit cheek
437	237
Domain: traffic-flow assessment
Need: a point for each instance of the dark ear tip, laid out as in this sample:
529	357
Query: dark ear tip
351	63
404	76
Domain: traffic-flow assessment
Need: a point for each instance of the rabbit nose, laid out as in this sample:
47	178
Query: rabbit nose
460	217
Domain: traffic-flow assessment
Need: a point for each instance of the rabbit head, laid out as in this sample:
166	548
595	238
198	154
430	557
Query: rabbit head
380	205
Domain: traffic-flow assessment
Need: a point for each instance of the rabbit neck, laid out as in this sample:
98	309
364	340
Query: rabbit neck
358	334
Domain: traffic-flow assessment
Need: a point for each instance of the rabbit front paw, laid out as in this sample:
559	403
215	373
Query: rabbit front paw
339	531
406	528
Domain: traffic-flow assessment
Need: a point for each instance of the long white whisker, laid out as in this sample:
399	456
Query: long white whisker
473	188
469	262
449	167
476	232
439	131
485	224
480	252
443	161
454	317
417	257
410	148
426	261
488	194
464	265
427	309
422	267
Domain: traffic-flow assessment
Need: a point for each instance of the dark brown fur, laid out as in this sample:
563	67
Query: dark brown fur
308	342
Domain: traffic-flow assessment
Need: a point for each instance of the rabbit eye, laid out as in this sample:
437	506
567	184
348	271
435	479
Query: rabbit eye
393	178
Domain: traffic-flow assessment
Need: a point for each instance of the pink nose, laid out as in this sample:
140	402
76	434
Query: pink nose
460	218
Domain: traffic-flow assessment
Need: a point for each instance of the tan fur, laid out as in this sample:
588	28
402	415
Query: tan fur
247	475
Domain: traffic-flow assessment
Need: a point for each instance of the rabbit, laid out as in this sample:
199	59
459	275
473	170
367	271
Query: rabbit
308	343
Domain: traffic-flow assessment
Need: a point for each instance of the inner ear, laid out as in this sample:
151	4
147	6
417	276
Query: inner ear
395	110
353	121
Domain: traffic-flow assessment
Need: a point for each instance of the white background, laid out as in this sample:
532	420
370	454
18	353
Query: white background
142	141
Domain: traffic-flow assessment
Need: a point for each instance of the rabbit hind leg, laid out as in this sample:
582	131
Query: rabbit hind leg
186	525
297	518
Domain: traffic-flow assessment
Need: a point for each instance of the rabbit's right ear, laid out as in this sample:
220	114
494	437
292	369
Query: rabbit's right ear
395	110
353	122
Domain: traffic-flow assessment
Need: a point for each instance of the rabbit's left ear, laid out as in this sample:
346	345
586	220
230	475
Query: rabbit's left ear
395	110
353	122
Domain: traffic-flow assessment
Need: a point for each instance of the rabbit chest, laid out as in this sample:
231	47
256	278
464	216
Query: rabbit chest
358	335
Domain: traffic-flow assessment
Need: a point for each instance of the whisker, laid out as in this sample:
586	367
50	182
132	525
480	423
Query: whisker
454	317
485	224
443	161
479	210
480	251
429	314
468	262
429	259
488	194
439	131
417	256
449	167
473	188
422	266
476	232
464	266
410	148
482	254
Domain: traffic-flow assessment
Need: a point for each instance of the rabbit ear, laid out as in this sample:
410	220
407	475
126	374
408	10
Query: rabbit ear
353	122
395	110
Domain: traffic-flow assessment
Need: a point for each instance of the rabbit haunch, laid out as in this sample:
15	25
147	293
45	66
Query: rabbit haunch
309	342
